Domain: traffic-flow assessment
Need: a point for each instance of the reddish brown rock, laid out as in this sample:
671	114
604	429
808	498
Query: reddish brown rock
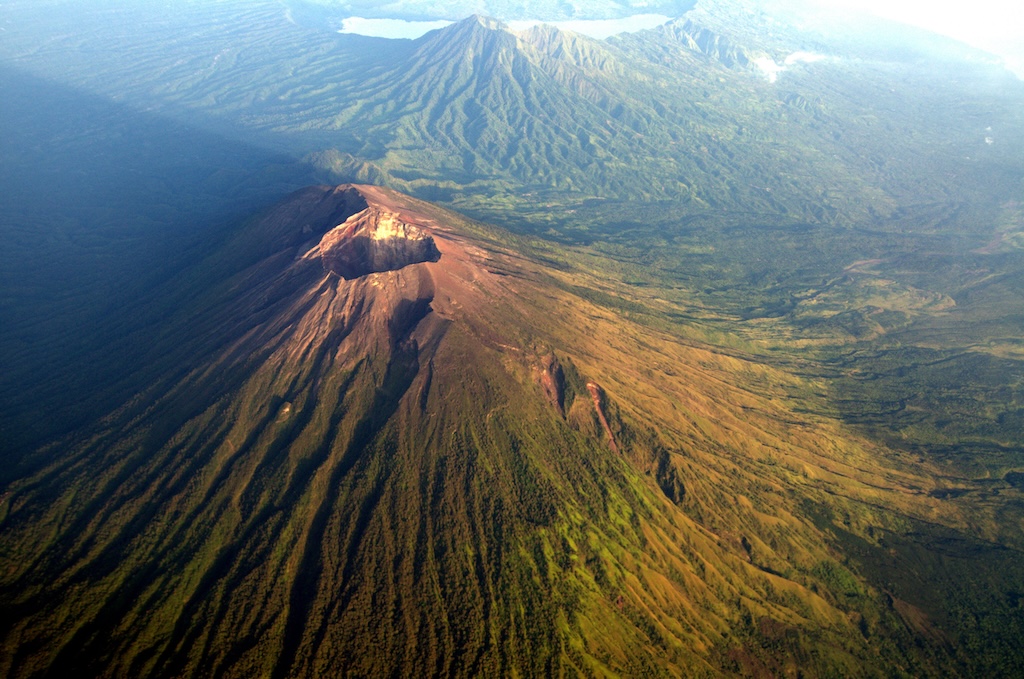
375	240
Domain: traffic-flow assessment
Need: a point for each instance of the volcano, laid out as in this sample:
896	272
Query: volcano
389	441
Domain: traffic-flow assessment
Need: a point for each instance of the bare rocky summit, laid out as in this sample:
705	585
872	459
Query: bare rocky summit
375	240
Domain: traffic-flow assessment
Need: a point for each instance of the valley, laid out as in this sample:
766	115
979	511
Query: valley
506	352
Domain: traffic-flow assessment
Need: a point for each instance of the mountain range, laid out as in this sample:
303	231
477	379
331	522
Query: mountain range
704	360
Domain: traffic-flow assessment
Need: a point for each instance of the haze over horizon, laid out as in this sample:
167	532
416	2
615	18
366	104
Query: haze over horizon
995	26
990	25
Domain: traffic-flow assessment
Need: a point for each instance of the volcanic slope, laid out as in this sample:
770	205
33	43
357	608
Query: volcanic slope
494	121
395	442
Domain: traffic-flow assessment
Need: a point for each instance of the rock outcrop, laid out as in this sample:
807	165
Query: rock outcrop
375	240
709	43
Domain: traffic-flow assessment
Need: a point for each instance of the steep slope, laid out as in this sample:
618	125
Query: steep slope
371	436
494	121
475	103
478	116
475	108
451	465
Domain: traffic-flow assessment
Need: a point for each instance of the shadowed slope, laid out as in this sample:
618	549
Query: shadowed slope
452	468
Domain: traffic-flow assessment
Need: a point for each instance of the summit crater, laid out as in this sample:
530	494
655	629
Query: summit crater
373	241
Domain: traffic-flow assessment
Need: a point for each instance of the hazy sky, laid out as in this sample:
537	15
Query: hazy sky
993	25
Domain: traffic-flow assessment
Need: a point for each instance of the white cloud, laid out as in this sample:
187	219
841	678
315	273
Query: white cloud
771	70
803	58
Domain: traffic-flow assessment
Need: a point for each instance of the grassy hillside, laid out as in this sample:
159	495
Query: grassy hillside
735	389
458	466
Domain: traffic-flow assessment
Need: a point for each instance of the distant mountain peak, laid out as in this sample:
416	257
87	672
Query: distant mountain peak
487	22
473	35
707	42
474	23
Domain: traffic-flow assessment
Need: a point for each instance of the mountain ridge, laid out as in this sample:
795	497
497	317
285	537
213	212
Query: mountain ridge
746	403
658	121
455	436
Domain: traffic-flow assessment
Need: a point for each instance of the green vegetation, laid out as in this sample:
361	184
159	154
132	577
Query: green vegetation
798	303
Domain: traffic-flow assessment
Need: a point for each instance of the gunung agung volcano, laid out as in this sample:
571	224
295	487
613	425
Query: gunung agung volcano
723	377
431	456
